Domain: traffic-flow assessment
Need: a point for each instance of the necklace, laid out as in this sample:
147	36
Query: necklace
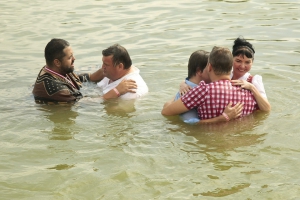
64	77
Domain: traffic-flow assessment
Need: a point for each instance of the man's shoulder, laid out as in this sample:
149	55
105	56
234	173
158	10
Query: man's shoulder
219	83
49	83
189	83
135	72
202	85
135	75
44	76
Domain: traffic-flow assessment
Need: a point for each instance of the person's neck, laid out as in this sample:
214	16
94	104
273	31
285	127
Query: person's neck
195	79
55	69
235	77
123	73
219	77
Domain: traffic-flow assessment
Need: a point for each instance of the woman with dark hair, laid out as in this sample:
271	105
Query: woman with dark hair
243	57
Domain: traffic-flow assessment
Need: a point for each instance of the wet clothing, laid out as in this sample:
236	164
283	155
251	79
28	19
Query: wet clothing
141	90
191	116
51	88
211	99
256	80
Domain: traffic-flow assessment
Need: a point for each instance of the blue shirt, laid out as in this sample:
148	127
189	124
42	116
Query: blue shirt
191	116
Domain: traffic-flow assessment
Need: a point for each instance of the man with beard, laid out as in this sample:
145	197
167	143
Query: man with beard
57	84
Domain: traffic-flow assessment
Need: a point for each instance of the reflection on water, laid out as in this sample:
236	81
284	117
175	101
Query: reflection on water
224	137
62	167
62	118
217	146
220	139
220	192
120	108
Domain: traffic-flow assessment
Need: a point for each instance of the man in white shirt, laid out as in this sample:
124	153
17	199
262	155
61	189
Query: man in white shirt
117	67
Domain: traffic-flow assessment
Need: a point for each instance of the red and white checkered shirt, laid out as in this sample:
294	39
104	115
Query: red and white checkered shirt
211	99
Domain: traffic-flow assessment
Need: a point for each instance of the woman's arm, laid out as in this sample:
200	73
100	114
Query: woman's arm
184	88
262	102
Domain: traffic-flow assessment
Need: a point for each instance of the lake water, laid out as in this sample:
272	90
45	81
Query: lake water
124	150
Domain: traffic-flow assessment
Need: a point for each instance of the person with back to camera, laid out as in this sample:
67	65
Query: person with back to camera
211	99
57	84
196	65
117	67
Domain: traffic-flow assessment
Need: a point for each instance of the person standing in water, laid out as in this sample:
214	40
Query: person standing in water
243	57
196	65
57	83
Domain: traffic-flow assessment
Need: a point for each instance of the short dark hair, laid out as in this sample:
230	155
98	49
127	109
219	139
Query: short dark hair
55	50
120	55
221	60
198	60
243	47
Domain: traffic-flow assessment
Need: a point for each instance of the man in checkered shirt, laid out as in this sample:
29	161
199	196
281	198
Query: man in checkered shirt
211	99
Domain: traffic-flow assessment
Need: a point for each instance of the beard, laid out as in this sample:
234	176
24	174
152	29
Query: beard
66	69
69	70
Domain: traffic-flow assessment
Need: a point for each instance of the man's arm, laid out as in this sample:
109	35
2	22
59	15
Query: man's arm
174	108
177	107
94	77
123	87
97	76
228	114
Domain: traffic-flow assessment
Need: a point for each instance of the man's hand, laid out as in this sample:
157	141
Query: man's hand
235	111
126	86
